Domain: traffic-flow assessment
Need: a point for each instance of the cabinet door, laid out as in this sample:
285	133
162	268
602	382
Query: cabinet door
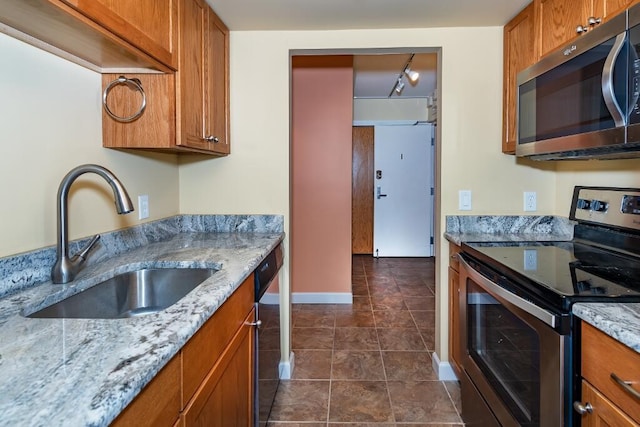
150	25
605	9
190	76
217	84
557	21
604	413
225	398
519	53
455	351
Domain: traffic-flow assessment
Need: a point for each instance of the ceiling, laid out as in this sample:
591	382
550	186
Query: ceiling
375	75
280	15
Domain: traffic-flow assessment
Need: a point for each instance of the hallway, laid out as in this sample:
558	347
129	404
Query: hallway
369	364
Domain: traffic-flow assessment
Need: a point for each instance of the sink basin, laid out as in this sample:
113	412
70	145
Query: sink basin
129	294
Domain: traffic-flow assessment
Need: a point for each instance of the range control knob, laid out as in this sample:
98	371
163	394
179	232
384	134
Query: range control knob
599	206
583	204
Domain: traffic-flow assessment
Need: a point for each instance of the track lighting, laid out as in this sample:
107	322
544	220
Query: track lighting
413	76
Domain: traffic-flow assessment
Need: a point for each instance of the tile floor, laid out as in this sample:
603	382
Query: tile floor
369	364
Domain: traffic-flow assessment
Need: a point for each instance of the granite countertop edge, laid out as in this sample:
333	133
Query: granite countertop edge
86	371
619	321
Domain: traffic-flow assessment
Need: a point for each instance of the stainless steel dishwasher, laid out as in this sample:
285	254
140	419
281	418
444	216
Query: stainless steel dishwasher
267	360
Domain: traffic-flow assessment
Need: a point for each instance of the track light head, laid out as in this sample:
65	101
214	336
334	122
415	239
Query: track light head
413	76
399	87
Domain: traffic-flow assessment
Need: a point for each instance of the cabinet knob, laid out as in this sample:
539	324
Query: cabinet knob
212	138
581	29
583	409
593	21
257	323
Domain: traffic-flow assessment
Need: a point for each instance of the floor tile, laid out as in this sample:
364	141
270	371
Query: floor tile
312	364
312	338
453	387
314	319
360	401
356	339
420	303
393	319
408	366
424	319
388	302
354	319
299	400
429	338
421	401
357	365
400	339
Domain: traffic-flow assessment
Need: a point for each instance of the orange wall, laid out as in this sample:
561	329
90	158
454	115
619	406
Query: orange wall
322	117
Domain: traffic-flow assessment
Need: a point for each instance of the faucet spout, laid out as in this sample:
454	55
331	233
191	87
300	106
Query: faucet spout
65	268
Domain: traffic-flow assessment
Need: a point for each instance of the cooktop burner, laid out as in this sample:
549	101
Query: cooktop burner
571	269
602	263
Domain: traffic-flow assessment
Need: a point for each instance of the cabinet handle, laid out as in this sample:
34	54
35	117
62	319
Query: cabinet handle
581	29
211	138
454	257
133	84
626	385
583	409
593	21
257	323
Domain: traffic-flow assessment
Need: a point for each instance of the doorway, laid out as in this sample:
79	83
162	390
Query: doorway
392	109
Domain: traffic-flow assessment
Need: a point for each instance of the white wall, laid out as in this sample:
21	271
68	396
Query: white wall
374	110
255	178
50	122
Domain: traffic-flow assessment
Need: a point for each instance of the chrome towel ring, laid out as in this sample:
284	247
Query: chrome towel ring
133	84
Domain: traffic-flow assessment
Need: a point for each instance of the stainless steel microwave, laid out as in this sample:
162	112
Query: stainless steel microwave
581	102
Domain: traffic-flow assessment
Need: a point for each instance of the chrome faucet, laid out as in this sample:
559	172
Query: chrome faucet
65	268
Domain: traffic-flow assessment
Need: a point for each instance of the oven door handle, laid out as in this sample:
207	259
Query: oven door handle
496	290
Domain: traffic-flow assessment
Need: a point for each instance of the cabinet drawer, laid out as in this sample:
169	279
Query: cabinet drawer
603	356
454	250
206	346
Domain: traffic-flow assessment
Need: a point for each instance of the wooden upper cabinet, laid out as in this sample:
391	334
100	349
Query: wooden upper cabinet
203	80
148	24
558	20
187	111
519	53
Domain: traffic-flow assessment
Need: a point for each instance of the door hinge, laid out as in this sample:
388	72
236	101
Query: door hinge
432	191
431	240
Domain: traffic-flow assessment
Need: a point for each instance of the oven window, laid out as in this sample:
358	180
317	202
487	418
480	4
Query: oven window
507	350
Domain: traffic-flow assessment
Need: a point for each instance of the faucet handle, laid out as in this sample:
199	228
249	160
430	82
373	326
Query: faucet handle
85	251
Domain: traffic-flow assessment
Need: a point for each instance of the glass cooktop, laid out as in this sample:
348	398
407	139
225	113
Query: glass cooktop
571	270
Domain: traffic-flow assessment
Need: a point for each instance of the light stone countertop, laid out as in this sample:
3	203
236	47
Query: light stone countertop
83	372
619	321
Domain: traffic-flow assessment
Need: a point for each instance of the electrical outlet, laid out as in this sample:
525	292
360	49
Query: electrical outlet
464	200
143	206
529	201
530	259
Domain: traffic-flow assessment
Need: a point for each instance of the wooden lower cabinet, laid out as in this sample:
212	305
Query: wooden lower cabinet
211	381
455	348
603	357
603	412
225	398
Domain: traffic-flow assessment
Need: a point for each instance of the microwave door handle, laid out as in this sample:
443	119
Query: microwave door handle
608	92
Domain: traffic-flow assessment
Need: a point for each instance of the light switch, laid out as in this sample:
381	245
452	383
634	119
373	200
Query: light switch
464	200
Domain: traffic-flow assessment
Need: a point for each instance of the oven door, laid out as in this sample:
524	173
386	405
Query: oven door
514	357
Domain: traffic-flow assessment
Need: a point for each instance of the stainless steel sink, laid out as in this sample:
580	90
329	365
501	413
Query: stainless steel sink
129	294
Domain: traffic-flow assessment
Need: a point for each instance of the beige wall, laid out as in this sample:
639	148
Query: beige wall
322	104
50	122
470	130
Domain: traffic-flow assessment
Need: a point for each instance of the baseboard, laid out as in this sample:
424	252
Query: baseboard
322	298
443	369
286	368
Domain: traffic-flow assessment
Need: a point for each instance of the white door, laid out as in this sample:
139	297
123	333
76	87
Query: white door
403	200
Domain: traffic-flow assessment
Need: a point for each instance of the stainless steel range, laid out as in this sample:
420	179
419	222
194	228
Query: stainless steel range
521	364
